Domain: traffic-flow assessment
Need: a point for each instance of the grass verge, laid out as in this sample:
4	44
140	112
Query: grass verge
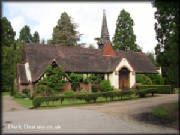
5	93
68	103
26	102
166	115
167	112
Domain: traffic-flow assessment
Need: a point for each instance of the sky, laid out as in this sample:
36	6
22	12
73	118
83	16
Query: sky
43	16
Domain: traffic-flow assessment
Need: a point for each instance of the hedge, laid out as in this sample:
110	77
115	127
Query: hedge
159	89
37	101
142	91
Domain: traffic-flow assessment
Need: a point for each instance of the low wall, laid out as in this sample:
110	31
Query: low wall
86	86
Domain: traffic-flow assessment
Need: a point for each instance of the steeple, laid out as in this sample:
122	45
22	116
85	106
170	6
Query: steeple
104	32
104	29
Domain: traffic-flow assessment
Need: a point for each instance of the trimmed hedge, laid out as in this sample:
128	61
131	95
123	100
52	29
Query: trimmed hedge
159	89
142	91
37	101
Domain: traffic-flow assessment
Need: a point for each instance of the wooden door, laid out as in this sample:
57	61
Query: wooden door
123	78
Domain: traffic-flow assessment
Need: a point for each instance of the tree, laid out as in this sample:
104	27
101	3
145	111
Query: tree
36	37
53	79
25	35
8	34
83	45
91	46
11	51
167	31
10	56
64	32
151	56
42	41
124	37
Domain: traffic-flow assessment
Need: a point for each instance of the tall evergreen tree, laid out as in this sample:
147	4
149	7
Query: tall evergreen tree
10	56
124	38
7	32
25	35
151	56
167	31
43	41
64	32
36	37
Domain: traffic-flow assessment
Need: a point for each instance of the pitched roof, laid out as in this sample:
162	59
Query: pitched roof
80	60
108	51
22	74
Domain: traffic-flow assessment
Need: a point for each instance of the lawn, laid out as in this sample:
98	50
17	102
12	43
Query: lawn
167	112
26	102
167	115
5	93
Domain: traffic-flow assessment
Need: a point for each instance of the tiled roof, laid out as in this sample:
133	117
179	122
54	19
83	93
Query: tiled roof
81	60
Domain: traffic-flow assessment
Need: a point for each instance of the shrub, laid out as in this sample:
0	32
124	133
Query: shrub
37	101
69	93
143	79
141	92
20	95
88	97
83	91
93	96
111	94
26	91
160	89
53	79
12	92
76	79
43	90
118	92
106	86
94	88
94	78
127	92
157	79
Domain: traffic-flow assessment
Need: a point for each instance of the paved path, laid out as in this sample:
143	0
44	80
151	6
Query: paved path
100	118
128	108
10	105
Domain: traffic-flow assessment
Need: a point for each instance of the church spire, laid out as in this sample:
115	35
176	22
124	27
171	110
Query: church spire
104	29
104	32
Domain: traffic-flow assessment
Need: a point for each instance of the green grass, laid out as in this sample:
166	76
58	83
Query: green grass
68	103
5	93
176	90
169	111
161	112
24	101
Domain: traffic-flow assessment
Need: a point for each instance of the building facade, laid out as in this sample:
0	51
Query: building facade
117	66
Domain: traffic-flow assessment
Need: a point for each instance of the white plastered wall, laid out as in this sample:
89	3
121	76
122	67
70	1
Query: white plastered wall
28	72
159	70
114	77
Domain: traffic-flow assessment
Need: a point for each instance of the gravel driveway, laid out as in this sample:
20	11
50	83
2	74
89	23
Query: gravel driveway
114	117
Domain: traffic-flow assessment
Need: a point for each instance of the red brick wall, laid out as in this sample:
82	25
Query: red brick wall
86	86
108	51
67	87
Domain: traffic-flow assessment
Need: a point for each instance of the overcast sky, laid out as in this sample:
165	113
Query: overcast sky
43	16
